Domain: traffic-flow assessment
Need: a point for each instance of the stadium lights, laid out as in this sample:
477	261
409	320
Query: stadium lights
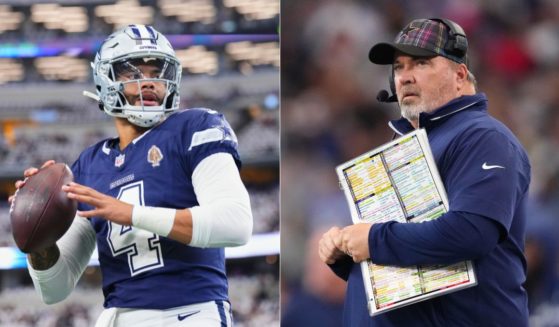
258	245
125	12
266	53
202	11
53	16
198	60
9	20
63	68
10	71
254	9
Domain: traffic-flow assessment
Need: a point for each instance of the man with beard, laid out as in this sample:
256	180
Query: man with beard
485	171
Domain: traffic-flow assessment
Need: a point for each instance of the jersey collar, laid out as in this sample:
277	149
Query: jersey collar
113	143
109	144
429	120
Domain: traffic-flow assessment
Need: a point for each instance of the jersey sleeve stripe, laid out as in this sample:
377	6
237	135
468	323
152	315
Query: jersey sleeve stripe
206	136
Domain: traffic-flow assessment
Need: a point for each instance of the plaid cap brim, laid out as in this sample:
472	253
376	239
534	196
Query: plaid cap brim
383	53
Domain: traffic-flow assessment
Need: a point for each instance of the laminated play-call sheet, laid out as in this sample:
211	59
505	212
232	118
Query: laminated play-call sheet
399	181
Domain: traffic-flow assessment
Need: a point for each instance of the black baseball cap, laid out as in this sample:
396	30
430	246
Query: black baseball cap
423	38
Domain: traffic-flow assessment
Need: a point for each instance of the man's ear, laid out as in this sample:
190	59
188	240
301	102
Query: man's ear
461	75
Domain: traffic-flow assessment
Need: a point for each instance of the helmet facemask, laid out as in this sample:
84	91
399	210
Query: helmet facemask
128	62
126	73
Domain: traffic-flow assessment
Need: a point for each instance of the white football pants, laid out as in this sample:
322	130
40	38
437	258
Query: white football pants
207	314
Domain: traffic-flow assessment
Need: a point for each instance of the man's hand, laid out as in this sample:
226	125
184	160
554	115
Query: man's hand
46	258
355	241
28	173
105	206
329	246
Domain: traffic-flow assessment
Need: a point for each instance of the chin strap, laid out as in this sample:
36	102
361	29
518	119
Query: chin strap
91	95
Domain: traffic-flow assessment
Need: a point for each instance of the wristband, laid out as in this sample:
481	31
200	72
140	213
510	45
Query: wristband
201	227
154	219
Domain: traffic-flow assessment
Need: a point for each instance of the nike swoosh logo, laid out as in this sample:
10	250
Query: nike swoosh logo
485	166
184	316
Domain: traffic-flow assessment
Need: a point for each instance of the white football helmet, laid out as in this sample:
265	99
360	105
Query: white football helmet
119	54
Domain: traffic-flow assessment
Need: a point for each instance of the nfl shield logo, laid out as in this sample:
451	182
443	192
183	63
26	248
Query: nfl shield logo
119	161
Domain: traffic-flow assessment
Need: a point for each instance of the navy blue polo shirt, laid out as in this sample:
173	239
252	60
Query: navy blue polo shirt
486	173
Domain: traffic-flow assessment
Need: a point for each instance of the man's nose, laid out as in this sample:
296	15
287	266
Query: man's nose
148	84
405	76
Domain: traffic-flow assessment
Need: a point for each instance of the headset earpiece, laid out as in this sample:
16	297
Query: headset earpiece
457	42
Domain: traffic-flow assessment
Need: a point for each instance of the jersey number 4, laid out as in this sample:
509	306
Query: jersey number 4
143	248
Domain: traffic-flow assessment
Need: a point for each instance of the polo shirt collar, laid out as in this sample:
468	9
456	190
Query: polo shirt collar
429	120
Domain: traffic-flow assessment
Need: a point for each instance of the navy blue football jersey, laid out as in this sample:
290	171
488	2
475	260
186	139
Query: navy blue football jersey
141	269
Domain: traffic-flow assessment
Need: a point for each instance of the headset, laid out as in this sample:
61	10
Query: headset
457	45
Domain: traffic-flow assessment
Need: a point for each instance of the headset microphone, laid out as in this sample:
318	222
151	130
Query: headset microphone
384	96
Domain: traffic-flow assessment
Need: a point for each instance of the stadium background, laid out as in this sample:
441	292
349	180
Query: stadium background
229	50
329	115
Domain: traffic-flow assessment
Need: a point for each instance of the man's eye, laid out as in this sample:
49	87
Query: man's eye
132	75
154	74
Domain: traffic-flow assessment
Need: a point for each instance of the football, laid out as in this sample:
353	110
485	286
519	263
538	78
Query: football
41	212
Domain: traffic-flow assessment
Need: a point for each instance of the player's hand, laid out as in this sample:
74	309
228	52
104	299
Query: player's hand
329	246
355	241
28	173
105	206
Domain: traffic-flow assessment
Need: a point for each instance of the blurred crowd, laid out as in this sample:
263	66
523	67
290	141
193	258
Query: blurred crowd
225	18
61	131
254	299
330	115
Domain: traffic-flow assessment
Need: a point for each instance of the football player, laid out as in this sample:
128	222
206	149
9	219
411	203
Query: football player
161	200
